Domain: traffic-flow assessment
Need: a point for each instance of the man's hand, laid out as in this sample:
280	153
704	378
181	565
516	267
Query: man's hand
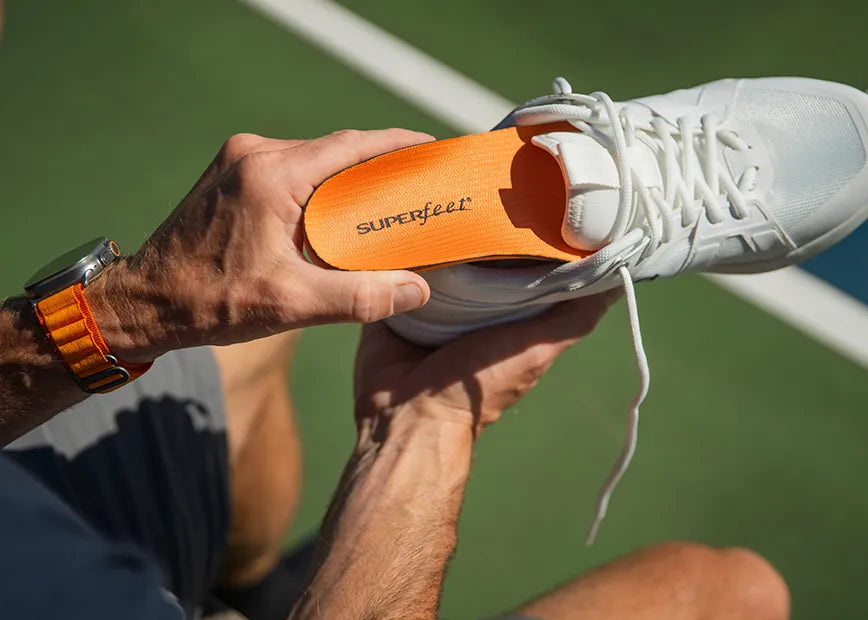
391	526
228	264
473	379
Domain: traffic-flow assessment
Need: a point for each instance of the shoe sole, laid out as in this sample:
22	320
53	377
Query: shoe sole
479	197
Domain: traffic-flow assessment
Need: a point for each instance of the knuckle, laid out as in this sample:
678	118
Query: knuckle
365	304
346	136
238	146
529	381
534	362
514	394
284	305
343	139
538	358
250	167
246	177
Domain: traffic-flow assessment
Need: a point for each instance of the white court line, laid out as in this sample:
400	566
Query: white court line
809	304
791	294
417	78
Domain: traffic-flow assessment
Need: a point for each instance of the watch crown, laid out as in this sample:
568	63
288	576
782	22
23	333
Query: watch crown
109	254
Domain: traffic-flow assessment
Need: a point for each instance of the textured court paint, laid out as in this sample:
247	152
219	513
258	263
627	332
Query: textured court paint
751	435
470	107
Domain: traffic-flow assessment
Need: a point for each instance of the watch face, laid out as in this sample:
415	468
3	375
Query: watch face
81	254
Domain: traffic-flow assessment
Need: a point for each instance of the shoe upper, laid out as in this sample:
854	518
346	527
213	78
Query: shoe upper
807	141
735	175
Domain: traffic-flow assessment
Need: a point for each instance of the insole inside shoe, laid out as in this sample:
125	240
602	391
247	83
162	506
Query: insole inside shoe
485	196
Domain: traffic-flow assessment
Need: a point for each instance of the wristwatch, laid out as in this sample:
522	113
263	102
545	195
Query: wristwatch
57	294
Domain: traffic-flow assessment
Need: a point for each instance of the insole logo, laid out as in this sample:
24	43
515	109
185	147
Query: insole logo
419	216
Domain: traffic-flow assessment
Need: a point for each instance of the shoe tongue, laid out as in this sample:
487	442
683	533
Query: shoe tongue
593	187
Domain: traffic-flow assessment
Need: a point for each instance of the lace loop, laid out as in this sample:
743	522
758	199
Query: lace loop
696	181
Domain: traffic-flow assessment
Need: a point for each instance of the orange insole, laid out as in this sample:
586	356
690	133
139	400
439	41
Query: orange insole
483	196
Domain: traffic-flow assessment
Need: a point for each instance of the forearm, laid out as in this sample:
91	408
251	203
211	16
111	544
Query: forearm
391	527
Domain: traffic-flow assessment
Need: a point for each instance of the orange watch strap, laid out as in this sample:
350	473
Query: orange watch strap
71	327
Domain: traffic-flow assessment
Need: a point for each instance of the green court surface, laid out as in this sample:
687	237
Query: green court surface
752	435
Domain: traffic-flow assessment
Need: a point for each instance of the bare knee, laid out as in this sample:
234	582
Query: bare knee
760	589
732	582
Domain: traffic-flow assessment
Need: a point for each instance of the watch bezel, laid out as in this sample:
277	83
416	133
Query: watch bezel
84	270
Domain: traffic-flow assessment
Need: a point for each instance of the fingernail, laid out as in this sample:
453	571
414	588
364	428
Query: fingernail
407	297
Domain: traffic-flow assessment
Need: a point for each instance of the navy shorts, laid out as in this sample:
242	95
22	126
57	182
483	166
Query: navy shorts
147	465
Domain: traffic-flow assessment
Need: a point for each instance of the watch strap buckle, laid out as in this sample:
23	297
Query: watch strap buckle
95	384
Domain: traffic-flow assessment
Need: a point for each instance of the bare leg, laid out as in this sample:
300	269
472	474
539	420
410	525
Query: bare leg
677	581
264	454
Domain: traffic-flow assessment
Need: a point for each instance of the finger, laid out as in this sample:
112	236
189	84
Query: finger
563	325
544	338
237	147
243	144
378	337
380	347
508	359
362	296
569	321
317	160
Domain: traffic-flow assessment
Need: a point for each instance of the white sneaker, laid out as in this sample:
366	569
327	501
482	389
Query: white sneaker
774	173
735	175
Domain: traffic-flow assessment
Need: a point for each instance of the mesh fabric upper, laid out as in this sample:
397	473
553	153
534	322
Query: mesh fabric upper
814	146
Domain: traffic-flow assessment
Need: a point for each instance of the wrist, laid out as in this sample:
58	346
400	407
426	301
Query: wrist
410	430
17	317
430	412
122	303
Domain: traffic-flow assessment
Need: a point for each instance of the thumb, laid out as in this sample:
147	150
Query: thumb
364	296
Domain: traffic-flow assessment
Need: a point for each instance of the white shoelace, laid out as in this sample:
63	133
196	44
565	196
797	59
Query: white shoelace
632	438
695	182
